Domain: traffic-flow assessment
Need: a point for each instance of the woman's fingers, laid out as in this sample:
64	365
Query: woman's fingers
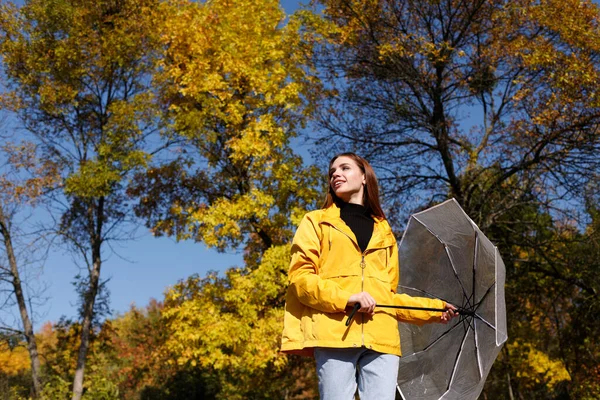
366	301
450	313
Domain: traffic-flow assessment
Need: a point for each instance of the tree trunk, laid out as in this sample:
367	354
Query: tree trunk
86	326
439	126
510	392
90	296
22	303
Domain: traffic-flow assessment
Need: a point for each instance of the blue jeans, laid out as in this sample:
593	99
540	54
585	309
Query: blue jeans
340	371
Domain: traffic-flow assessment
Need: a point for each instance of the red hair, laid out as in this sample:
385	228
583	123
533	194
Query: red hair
371	189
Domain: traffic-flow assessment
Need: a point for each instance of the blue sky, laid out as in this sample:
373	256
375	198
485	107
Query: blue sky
138	270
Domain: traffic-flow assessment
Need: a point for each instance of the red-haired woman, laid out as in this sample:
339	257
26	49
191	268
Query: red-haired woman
344	254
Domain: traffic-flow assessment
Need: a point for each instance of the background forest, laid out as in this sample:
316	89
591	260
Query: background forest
184	118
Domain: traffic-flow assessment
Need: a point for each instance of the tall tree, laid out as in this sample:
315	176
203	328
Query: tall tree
463	99
78	75
17	192
237	88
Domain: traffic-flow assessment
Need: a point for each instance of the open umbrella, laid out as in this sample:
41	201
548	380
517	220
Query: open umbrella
444	255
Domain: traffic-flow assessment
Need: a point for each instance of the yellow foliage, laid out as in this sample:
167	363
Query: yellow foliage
237	85
236	75
538	366
13	361
561	39
219	222
231	325
235	61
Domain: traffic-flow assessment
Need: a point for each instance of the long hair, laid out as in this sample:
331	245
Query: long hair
371	189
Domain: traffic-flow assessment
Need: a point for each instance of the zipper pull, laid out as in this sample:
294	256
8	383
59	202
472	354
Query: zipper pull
363	264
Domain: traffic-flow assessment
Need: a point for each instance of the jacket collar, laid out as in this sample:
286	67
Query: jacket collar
382	233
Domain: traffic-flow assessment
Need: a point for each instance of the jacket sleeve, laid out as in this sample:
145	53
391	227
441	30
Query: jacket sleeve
305	282
417	317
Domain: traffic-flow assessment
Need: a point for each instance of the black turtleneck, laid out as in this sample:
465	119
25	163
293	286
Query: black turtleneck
359	221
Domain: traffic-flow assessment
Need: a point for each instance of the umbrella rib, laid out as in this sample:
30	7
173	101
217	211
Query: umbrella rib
439	338
478	353
458	354
485	322
488	291
420	291
465	295
474	286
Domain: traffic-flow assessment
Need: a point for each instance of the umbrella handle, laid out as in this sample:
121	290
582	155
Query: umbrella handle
354	310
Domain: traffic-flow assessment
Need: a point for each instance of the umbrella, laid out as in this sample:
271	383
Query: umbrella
444	255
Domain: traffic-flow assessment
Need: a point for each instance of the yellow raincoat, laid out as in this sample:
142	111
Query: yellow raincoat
327	267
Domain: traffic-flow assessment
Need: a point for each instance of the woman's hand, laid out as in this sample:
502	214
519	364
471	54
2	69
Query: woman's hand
450	313
367	302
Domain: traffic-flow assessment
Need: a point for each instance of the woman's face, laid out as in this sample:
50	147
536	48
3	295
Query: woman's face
346	180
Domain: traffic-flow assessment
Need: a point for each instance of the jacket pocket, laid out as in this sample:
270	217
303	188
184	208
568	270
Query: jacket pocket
378	263
338	258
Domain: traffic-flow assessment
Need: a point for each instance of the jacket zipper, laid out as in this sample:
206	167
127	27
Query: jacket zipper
363	265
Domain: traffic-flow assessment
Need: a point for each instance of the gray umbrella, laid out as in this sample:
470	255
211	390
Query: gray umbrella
444	255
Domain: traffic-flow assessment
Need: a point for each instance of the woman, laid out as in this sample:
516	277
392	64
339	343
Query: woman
342	255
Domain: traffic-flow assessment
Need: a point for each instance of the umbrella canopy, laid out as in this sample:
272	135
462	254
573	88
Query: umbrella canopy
444	255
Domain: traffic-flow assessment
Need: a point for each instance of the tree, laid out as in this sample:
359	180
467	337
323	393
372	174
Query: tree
78	76
238	86
17	192
463	99
59	344
138	363
231	327
237	89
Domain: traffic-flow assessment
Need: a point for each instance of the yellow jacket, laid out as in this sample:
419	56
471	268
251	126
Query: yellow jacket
327	267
